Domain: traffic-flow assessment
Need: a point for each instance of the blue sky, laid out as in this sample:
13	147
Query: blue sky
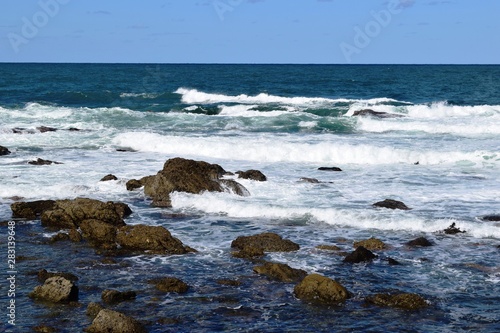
251	31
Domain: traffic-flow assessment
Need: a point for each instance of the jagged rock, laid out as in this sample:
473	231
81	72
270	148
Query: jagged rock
114	322
56	290
453	230
280	272
69	214
371	244
359	255
75	236
249	252
98	232
43	129
43	275
133	184
31	210
234	187
40	161
421	241
110	296
170	285
269	242
391	204
335	169
328	247
93	309
321	290
108	178
151	239
4	151
378	114
405	301
491	218
59	237
252	175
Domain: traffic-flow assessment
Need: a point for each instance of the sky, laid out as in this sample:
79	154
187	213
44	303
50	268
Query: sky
251	31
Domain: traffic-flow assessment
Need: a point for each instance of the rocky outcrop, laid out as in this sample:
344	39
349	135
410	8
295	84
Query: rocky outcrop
44	129
114	322
405	301
391	204
4	151
318	289
252	175
491	218
280	272
170	285
93	309
421	241
40	161
56	289
108	178
110	296
31	210
249	253
359	255
99	233
453	230
150	239
371	244
334	169
378	114
268	242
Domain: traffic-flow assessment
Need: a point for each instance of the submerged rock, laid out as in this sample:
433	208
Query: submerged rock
268	242
40	161
491	218
93	309
108	178
391	204
56	289
110	296
421	241
249	252
31	210
252	175
453	230
335	169
309	180
280	272
43	129
114	322
378	114
359	255
371	244
4	151
318	289
170	285
405	301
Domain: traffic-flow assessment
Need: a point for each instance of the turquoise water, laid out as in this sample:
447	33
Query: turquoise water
285	120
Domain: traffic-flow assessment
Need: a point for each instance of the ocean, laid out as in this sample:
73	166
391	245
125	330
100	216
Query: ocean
436	147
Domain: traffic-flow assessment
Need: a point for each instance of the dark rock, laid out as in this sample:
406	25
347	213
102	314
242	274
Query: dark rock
21	130
43	129
309	180
318	289
98	233
4	151
234	187
492	218
453	230
93	309
75	236
44	329
114	322
393	262
43	275
249	252
56	290
69	214
108	178
151	239
59	237
122	209
280	272
110	296
133	184
170	285
371	244
40	161
31	210
421	241
378	114
125	150
391	204
405	301
232	283
269	242
74	129
328	247
335	169
252	175
359	255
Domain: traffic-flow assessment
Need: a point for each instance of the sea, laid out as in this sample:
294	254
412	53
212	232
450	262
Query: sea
435	147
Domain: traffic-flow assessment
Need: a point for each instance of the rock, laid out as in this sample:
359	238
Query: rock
59	237
371	244
491	218
4	151
393	262
151	239
232	283
114	322
75	236
31	210
335	169
405	301
93	309
249	252
40	161
69	214
110	296
359	255
309	180
43	275
269	242
391	204
133	184
421	241
318	289
378	114
56	289
170	285
453	230
43	129
21	130
234	187
98	233
74	129
44	329
252	175
280	272
328	247
108	178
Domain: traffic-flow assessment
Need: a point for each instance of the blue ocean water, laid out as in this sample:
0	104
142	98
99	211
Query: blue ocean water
436	149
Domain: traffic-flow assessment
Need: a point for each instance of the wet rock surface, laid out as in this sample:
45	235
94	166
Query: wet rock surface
405	301
321	290
252	175
392	204
110	321
56	289
4	151
361	254
280	272
268	242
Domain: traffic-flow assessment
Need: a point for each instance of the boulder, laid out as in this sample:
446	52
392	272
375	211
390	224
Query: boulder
43	275
268	242
232	186
60	237
110	296
98	233
31	210
421	241
56	289
40	161
69	214
378	114
93	309
453	230
43	129
329	248
170	285
4	151
108	178
405	301
44	329
359	255
114	322
252	175
231	283
335	169
75	236
150	239
491	218
280	272
309	180
391	204
249	252
318	289
371	244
